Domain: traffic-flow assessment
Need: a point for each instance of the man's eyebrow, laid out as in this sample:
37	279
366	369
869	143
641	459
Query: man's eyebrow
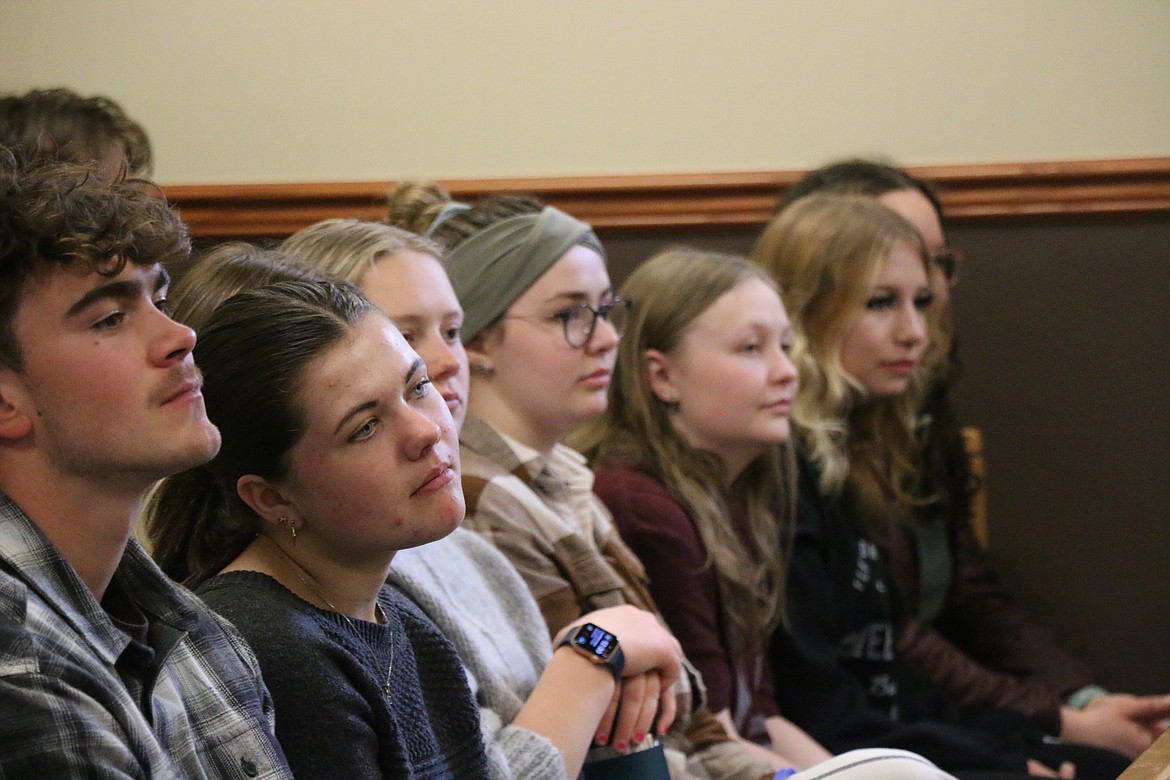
121	289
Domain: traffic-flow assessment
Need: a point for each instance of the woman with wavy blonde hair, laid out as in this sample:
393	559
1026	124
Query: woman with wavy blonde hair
972	638
825	252
857	282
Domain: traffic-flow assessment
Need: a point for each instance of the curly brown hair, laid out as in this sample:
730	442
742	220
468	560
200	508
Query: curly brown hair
63	125
58	216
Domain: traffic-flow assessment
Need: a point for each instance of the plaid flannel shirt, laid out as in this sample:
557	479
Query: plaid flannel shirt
197	709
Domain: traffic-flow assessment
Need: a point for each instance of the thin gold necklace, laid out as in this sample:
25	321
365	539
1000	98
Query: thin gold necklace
379	613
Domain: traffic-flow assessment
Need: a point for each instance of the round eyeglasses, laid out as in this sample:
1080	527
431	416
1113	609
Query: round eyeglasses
579	322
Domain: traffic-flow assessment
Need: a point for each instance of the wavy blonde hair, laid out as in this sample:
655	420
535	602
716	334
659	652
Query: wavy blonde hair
825	252
670	291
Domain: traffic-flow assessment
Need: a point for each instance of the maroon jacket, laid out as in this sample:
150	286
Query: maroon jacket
664	537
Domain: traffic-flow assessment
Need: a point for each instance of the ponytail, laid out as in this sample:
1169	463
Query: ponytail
193	528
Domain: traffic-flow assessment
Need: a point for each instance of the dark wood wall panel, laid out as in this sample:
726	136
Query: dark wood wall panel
1065	331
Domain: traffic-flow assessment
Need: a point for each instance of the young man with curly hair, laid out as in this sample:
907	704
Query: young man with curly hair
106	667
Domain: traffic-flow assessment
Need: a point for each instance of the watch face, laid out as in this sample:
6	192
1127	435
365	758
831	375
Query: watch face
596	641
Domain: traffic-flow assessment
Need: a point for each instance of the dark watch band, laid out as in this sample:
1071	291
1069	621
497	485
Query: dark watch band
597	645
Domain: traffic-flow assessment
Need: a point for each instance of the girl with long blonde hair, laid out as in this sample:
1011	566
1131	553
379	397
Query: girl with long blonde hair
686	457
969	634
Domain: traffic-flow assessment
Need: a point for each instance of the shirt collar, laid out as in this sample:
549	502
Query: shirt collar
28	555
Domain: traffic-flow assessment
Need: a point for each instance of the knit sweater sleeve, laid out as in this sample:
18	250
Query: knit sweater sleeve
476	598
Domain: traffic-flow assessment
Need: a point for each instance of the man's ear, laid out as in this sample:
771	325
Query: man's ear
267	500
660	375
15	406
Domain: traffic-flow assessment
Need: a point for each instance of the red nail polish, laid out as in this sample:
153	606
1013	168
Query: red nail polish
639	737
601	740
621	746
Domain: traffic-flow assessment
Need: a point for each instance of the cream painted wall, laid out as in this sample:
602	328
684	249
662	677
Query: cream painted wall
248	91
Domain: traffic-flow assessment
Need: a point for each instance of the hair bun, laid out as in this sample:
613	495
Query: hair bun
413	205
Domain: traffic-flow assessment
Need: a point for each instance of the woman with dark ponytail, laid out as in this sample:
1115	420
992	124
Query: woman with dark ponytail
539	706
336	454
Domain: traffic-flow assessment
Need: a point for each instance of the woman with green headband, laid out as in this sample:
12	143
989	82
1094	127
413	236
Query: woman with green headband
541	328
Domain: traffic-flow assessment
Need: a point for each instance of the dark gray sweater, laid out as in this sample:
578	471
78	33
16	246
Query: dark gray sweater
326	676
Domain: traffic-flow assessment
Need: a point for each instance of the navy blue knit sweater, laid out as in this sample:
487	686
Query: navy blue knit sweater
326	675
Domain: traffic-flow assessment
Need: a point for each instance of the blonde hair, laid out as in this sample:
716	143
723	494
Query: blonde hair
424	207
414	205
669	292
349	247
224	270
825	252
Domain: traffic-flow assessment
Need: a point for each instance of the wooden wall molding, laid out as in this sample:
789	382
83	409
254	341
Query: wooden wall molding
970	193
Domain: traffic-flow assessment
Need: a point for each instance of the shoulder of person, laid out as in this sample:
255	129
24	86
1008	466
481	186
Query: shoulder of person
628	491
264	612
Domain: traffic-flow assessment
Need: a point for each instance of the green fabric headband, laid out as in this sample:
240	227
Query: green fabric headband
492	268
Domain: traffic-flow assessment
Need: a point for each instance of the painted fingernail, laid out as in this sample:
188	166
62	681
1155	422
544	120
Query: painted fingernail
621	746
601	739
639	737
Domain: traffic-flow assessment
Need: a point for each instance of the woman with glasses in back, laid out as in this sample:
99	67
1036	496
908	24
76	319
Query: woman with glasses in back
970	637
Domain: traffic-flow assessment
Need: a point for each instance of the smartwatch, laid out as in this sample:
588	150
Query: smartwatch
598	645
